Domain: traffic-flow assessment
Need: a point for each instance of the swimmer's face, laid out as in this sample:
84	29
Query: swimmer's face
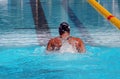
65	35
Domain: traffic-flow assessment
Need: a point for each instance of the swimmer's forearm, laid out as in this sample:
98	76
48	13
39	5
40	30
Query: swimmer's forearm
81	48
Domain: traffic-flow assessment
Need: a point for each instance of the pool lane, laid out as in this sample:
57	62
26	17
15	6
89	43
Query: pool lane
58	11
16	24
41	25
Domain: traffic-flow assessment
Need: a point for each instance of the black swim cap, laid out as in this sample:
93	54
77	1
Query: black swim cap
64	27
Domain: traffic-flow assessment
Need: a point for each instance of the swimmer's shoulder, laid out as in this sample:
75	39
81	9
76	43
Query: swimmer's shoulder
54	39
75	38
79	40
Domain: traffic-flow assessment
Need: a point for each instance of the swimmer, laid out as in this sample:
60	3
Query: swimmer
57	43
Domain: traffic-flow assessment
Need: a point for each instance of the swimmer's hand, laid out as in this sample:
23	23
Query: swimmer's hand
54	44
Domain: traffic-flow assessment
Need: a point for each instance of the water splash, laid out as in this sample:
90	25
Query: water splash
66	47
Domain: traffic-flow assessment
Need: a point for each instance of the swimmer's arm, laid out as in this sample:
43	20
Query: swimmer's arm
49	45
81	46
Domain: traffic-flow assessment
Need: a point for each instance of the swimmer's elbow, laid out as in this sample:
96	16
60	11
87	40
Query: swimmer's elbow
49	48
81	49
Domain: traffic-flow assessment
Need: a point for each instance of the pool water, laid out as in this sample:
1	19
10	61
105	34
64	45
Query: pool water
27	25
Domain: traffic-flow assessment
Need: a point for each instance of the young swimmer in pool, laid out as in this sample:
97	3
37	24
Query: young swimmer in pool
65	42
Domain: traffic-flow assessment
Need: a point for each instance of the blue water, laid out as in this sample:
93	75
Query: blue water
21	56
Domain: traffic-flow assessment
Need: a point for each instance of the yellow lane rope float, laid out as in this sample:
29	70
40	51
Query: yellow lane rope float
115	21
